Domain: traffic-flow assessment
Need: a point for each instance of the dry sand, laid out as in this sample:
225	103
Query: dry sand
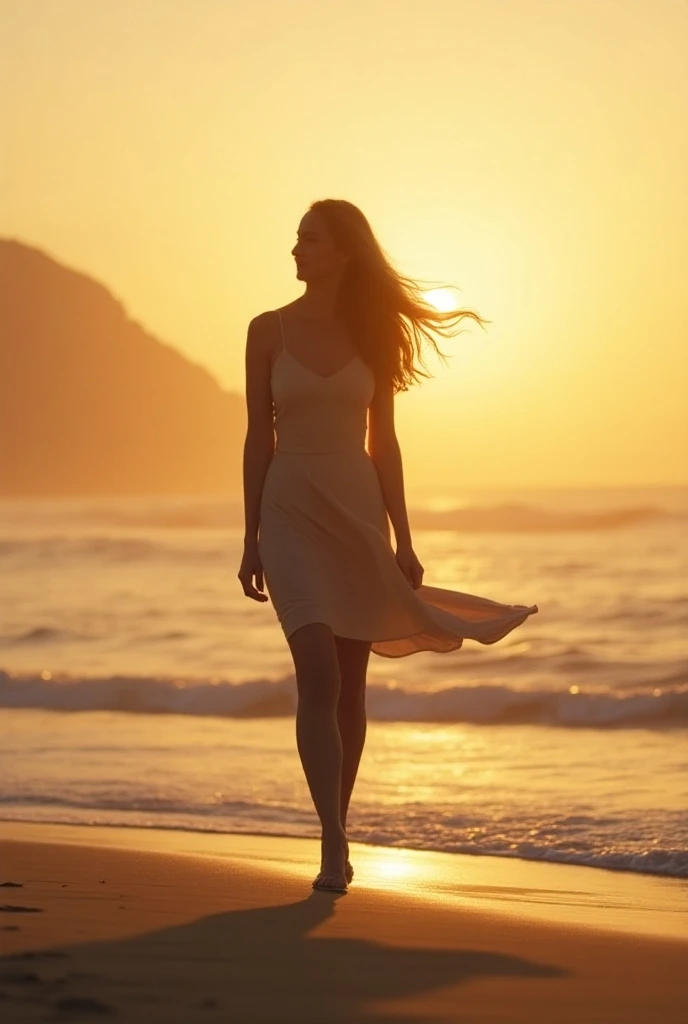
136	925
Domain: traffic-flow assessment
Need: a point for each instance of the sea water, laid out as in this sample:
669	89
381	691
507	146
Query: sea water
138	685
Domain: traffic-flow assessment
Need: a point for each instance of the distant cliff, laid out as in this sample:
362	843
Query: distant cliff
90	403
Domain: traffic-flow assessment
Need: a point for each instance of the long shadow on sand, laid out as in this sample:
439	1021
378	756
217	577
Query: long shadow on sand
244	964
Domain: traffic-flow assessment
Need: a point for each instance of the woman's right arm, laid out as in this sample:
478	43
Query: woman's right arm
259	447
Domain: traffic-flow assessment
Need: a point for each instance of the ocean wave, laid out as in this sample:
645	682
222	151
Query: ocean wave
192	515
533	518
502	516
113	549
625	850
576	707
47	635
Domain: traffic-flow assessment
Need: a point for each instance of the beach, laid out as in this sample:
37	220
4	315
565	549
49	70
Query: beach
153	925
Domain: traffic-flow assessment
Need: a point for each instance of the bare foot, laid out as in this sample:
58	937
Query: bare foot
334	856
348	869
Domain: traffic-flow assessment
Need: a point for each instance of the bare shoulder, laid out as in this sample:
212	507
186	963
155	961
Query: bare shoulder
260	327
262	335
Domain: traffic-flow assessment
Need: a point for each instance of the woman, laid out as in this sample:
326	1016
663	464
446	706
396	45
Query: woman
319	372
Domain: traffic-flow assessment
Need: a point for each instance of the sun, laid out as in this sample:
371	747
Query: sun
441	298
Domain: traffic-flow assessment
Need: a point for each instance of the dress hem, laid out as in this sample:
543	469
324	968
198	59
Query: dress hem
521	617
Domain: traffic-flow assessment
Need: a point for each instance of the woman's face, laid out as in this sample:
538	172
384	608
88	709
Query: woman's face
315	253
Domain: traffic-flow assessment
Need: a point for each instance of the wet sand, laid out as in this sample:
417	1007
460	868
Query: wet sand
145	925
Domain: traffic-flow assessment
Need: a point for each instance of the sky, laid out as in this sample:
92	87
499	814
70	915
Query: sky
532	153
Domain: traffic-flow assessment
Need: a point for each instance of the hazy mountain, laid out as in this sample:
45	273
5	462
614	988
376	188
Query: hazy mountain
91	403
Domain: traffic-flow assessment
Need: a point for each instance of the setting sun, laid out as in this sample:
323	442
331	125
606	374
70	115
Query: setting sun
442	299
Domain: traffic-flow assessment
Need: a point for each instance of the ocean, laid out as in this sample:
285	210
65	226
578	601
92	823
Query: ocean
139	686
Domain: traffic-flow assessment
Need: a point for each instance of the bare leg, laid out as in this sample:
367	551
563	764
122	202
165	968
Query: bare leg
353	658
318	739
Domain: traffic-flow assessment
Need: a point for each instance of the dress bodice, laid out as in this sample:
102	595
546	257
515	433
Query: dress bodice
313	413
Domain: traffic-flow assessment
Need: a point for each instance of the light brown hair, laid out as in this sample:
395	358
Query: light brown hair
384	310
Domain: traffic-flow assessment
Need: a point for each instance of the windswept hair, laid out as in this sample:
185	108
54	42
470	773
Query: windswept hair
385	311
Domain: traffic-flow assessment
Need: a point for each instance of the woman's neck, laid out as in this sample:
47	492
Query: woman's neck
318	301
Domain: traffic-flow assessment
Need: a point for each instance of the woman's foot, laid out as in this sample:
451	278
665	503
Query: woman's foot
348	873
333	874
348	870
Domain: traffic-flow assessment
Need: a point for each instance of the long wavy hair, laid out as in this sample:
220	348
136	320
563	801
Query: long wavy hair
385	312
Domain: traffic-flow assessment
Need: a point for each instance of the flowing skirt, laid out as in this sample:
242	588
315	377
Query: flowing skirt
324	543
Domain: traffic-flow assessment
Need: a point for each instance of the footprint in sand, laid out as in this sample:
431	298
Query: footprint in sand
82	1004
8	908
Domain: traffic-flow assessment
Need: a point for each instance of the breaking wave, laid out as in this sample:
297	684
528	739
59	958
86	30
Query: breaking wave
484	704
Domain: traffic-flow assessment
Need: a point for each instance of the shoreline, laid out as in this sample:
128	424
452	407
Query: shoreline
112	829
171	926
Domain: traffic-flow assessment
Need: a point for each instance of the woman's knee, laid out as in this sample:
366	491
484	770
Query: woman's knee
316	666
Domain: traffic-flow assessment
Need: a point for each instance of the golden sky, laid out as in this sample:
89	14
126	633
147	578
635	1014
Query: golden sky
532	152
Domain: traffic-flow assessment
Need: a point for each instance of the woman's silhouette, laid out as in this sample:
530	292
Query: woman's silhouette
321	372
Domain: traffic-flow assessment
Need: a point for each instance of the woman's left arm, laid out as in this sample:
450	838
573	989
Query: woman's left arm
384	450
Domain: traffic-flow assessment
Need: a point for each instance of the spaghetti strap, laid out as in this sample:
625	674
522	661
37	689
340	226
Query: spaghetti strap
279	317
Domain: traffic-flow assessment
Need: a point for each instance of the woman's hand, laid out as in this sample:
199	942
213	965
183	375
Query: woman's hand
251	566
409	565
